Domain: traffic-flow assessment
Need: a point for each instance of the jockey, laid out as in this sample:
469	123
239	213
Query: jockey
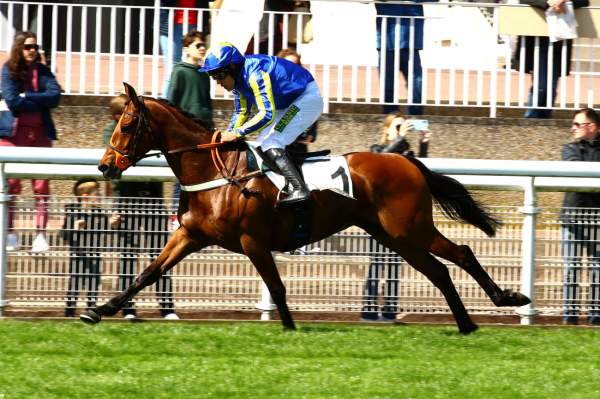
286	99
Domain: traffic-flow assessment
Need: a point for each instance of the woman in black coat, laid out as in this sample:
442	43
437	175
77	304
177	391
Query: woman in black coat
385	264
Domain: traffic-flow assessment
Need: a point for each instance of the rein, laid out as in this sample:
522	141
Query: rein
223	170
198	147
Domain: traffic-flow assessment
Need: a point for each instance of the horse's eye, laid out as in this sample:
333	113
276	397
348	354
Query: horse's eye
128	123
127	128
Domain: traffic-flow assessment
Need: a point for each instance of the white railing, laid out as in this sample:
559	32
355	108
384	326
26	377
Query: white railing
512	264
98	47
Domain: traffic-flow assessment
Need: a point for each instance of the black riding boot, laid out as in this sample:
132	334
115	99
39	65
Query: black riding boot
291	174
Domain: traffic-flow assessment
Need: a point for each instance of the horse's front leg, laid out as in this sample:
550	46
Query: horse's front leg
264	263
178	247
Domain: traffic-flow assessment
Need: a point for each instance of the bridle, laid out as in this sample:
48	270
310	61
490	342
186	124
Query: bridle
128	158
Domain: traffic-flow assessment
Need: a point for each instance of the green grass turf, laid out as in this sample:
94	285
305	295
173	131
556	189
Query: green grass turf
67	359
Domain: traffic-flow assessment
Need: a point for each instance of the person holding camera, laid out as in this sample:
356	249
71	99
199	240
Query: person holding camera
385	264
393	136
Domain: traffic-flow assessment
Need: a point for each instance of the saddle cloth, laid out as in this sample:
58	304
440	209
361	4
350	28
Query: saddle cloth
320	173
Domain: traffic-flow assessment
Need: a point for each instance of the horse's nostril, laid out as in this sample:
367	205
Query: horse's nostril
102	168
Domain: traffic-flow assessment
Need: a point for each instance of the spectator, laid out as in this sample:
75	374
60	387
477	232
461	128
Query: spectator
171	50
85	229
300	145
36	14
557	61
189	88
407	51
272	9
299	19
580	218
143	225
385	264
30	91
393	137
290	55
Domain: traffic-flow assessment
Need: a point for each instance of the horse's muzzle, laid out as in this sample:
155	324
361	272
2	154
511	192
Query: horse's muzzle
109	171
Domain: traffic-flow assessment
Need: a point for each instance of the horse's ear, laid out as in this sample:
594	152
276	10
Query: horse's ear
130	92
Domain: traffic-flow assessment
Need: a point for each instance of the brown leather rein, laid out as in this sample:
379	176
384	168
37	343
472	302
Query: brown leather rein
224	171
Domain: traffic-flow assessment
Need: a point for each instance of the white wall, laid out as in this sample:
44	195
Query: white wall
340	31
236	22
459	38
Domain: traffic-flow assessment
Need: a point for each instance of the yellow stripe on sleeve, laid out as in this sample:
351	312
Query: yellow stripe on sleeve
264	103
241	112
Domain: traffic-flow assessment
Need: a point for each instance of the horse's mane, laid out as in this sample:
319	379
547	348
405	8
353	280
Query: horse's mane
199	122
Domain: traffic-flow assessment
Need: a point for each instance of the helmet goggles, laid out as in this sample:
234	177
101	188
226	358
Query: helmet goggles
219	74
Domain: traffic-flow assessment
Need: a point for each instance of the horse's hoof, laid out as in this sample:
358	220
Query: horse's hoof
90	317
512	298
469	329
289	327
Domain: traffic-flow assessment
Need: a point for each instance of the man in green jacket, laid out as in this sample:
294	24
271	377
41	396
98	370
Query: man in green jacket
189	89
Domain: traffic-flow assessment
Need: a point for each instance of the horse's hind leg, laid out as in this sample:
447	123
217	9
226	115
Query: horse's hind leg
178	247
462	256
438	274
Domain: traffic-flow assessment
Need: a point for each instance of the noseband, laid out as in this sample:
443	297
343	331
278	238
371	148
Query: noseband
128	157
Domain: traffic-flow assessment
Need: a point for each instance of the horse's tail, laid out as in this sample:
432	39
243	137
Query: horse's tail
455	200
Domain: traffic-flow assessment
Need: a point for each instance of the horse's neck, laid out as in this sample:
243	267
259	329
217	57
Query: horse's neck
172	129
177	134
191	167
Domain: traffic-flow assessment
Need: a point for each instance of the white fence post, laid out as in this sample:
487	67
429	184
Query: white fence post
530	211
494	71
4	198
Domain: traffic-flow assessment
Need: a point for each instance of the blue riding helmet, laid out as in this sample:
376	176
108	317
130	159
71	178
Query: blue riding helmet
220	56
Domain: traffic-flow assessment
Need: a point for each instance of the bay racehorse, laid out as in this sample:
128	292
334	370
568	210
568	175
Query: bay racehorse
393	198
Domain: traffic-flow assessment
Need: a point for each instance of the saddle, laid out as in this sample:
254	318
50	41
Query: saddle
319	169
298	158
